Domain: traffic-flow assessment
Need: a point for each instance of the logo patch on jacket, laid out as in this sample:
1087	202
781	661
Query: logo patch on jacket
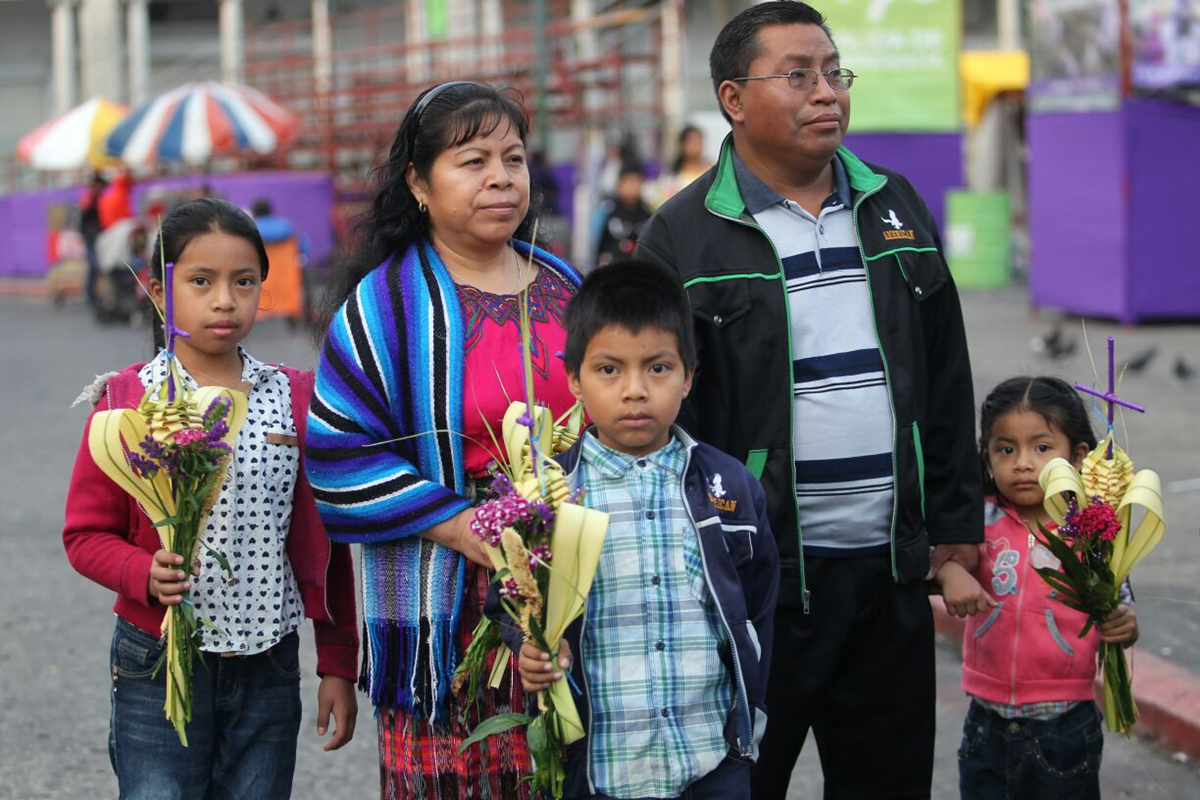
898	230
716	495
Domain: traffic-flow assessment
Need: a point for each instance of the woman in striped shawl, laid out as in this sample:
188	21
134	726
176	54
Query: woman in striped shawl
421	357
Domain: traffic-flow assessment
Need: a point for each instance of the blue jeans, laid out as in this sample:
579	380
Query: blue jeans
1059	759
242	737
729	781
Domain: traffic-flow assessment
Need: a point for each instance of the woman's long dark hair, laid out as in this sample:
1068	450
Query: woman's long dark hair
687	131
190	220
452	115
1053	398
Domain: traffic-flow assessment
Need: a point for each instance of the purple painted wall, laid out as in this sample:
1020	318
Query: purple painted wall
1077	222
23	230
932	162
1163	258
306	198
1112	198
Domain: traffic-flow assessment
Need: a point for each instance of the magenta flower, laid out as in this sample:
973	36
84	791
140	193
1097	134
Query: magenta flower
189	436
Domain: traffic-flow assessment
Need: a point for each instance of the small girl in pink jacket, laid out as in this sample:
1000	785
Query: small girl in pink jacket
1033	728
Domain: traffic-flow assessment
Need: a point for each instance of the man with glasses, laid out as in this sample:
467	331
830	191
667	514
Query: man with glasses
833	361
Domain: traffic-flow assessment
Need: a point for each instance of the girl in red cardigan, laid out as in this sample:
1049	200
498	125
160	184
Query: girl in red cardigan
1033	728
246	697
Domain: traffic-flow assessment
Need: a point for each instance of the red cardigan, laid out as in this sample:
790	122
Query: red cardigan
109	538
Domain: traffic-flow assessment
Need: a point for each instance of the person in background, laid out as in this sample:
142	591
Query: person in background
275	228
116	202
89	228
689	165
625	213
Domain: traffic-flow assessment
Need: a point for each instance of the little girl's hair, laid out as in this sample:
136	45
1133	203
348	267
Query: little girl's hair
187	222
1053	398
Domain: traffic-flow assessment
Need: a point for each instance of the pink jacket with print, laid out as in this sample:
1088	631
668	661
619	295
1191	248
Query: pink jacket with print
110	539
1027	649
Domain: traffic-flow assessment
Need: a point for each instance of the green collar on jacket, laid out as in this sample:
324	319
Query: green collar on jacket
725	198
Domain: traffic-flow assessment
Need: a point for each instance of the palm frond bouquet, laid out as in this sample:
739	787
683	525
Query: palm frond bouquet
170	454
1098	543
545	548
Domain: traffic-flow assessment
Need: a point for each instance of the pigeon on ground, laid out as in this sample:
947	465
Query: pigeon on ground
1183	370
1142	360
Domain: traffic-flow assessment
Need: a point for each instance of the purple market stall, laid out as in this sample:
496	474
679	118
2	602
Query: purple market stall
1113	176
305	198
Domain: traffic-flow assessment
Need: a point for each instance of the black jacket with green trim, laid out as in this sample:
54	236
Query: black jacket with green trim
742	400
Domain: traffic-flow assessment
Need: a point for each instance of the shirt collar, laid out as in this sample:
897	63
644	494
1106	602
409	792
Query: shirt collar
611	463
254	371
757	196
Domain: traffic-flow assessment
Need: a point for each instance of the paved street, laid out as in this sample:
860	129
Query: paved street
55	626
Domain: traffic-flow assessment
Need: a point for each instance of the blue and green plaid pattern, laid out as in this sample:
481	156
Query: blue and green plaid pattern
652	645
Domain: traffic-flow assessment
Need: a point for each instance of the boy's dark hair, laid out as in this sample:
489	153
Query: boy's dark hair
737	44
192	220
632	294
1053	398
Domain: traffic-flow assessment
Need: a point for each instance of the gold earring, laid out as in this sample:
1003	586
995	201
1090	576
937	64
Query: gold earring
421	206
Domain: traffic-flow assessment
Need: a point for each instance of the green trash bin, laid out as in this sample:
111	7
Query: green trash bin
977	238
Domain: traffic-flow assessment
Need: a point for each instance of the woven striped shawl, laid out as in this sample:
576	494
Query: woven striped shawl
385	463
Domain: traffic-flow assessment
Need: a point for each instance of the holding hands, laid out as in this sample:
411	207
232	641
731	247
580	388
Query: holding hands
962	594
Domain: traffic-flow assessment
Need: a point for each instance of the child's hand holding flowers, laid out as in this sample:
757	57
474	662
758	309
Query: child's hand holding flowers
168	583
1120	627
537	673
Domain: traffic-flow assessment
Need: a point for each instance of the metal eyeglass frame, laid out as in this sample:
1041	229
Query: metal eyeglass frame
804	79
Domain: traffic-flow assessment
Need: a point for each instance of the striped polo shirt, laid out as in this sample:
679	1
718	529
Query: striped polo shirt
842	415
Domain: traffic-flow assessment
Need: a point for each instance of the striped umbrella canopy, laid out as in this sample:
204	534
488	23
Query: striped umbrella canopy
199	120
73	140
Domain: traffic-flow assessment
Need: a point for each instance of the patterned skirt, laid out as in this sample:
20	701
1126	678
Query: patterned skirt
420	761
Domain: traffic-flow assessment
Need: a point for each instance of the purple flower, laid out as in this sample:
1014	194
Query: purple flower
510	590
217	411
142	467
540	555
218	431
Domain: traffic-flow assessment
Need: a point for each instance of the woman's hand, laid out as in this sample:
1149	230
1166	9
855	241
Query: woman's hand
1120	627
537	673
456	534
336	696
168	582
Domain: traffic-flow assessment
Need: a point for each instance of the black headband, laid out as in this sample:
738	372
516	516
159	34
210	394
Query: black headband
435	91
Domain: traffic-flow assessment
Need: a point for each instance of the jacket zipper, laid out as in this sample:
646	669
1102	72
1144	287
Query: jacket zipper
887	377
745	749
805	595
1012	700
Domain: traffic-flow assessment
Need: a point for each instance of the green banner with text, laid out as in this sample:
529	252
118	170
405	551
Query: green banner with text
905	53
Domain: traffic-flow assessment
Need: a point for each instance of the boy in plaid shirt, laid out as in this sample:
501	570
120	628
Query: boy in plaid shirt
674	646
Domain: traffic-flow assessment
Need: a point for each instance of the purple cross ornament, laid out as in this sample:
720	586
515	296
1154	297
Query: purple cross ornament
1110	397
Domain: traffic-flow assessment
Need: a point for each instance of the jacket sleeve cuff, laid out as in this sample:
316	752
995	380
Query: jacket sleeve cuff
135	577
341	661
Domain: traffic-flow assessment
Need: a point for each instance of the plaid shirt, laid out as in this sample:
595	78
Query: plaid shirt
653	641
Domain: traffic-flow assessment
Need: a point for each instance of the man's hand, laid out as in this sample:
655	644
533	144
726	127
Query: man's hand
1120	627
965	554
962	594
456	534
336	696
537	673
168	583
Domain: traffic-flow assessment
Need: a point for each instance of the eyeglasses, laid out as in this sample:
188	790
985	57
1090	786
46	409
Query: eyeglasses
803	79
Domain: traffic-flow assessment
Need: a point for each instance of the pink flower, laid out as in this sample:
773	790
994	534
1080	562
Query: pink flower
1097	522
190	436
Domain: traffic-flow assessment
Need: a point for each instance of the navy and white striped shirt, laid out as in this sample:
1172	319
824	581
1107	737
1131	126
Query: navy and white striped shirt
843	429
